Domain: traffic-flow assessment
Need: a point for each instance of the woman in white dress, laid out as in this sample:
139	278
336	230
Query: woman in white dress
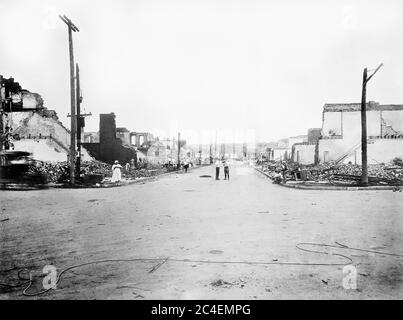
116	172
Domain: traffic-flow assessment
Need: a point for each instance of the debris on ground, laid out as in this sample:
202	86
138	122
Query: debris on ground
92	172
221	283
336	174
216	251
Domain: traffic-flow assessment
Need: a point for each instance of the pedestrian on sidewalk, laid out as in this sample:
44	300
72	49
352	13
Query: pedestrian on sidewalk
217	169
116	173
226	169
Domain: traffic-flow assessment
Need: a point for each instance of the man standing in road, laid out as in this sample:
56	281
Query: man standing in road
186	164
226	169
217	169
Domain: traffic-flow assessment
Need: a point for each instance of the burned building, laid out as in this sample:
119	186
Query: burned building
307	152
110	147
141	139
282	150
124	135
341	133
26	125
90	137
339	139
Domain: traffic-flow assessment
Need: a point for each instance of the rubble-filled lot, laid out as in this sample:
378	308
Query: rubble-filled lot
58	172
332	173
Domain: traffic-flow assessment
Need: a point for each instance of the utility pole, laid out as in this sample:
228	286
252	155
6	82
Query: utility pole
364	160
179	150
71	27
364	153
80	119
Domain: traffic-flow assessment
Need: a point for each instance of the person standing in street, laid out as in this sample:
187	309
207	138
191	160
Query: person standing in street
226	169
116	172
217	169
186	165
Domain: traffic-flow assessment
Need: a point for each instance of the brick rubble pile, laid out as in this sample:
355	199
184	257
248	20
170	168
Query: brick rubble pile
341	173
58	172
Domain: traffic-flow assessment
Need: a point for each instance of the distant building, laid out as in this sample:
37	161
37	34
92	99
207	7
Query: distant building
307	152
283	149
90	137
157	153
140	139
124	135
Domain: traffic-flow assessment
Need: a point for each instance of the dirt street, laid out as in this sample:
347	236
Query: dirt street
197	219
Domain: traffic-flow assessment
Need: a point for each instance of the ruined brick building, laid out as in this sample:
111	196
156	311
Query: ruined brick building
110	147
307	152
42	134
340	136
341	133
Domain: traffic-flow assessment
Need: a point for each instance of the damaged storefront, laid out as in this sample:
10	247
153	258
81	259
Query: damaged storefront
341	133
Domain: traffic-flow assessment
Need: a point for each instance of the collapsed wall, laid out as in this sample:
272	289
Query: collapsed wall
42	149
42	134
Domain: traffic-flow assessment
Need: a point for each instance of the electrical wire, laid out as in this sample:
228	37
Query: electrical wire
300	246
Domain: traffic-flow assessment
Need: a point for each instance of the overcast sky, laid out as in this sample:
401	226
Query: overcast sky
249	69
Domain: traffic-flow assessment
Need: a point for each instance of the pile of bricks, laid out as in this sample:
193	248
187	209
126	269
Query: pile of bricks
340	173
59	172
377	173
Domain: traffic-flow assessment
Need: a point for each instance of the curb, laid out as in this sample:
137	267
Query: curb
126	183
155	177
319	187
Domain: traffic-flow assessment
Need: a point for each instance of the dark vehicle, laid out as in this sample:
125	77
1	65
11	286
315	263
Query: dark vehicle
15	171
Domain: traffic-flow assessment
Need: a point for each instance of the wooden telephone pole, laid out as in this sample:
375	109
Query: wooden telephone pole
364	153
73	127
80	119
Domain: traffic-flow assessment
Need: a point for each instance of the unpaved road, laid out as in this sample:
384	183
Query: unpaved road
183	216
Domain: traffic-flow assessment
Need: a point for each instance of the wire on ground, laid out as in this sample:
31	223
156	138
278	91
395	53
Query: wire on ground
300	246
